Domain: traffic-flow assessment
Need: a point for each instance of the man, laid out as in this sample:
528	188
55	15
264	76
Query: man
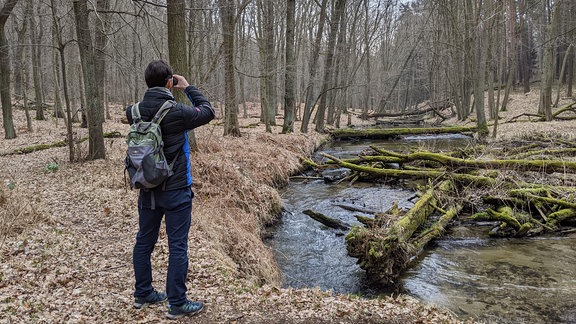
172	199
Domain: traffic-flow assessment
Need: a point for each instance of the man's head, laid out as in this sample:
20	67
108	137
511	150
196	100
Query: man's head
157	73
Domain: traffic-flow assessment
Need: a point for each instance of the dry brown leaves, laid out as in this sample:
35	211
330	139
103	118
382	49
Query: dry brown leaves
67	257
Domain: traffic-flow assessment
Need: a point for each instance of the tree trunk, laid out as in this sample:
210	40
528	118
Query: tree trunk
330	222
227	13
177	46
481	53
511	58
337	11
22	66
309	97
100	41
58	110
36	38
548	66
94	107
386	252
290	74
394	132
60	47
269	66
562	70
5	96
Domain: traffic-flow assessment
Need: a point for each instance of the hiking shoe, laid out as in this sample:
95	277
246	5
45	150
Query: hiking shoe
153	298
188	308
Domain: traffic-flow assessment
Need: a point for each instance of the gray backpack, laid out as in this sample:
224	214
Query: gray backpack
145	161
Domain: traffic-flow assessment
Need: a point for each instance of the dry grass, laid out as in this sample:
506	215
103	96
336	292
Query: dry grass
67	255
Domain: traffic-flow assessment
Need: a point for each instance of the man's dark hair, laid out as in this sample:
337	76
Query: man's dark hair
157	73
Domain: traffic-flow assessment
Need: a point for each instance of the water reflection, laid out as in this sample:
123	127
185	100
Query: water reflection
506	281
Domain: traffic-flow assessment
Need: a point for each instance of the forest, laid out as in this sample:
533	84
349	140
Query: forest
284	78
314	60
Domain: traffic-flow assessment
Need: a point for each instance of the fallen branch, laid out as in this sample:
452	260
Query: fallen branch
328	221
416	174
45	146
518	165
394	132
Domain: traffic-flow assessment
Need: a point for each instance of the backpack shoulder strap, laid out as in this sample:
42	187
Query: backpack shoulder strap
135	110
166	106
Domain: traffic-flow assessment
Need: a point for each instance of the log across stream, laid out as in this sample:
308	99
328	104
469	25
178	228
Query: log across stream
465	270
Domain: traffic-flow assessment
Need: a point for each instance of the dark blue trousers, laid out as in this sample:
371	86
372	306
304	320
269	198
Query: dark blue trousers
176	206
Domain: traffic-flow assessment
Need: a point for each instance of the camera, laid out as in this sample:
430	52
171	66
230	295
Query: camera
174	81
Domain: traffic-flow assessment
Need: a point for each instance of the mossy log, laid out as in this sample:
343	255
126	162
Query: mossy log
518	165
556	218
403	229
367	221
394	132
38	147
328	221
45	146
385	253
436	229
467	179
530	194
518	221
567	151
564	109
505	215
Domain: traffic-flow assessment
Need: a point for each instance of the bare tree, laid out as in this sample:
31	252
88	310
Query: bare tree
268	58
512	62
36	35
5	96
100	43
548	64
94	107
60	47
309	97
22	66
337	10
571	68
227	13
480	68
290	74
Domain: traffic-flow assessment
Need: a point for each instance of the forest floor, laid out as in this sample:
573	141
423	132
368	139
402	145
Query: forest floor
67	230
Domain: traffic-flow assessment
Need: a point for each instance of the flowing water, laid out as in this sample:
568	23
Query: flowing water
495	280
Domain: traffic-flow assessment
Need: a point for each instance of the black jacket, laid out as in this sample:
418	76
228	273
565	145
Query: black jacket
175	126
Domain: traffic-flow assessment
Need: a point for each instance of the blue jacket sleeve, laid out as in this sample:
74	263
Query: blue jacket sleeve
201	111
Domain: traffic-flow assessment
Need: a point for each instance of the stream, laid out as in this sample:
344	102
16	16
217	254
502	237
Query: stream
529	280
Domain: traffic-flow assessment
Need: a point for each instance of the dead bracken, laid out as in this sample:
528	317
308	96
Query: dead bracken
68	258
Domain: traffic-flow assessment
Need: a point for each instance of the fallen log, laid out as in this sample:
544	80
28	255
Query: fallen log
416	174
436	229
394	132
45	146
328	221
367	221
527	194
517	165
560	216
386	252
355	208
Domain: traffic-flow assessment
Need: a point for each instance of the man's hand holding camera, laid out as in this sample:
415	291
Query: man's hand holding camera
179	82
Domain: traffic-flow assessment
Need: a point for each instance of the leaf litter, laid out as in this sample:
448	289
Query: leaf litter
67	234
